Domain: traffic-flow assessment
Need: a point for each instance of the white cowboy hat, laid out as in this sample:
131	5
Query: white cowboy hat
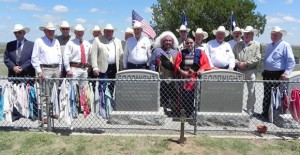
96	28
138	25
109	27
48	26
183	28
64	24
278	29
200	31
19	27
78	27
237	29
221	29
250	29
129	30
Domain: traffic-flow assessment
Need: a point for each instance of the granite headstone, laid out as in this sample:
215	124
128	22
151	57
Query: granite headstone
137	90
221	91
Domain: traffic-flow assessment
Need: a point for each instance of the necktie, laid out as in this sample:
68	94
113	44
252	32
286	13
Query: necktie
83	60
19	44
18	52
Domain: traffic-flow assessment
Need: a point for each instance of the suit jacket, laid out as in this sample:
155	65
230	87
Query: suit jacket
118	48
251	53
10	56
99	56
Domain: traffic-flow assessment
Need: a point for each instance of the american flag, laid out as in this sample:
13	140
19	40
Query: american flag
148	29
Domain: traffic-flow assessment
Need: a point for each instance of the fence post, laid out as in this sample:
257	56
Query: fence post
197	100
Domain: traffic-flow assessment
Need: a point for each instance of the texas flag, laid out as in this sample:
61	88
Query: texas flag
233	24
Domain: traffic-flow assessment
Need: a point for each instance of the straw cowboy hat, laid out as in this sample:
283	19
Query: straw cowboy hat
64	24
250	29
129	30
48	26
221	29
78	27
96	28
237	29
138	25
278	29
200	31
19	27
183	28
109	27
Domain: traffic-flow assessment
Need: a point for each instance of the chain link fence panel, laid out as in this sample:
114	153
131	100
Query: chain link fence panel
149	106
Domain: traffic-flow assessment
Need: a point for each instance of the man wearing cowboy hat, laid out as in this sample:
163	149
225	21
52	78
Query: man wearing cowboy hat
115	52
64	28
279	62
77	54
47	59
17	58
219	51
128	34
237	34
17	55
183	32
201	35
96	32
63	39
137	49
247	56
46	55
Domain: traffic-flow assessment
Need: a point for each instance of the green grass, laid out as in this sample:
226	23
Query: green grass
50	143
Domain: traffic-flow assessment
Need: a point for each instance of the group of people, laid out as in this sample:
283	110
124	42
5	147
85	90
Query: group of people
53	56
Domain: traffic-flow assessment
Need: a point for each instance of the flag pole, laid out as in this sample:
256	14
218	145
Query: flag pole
230	25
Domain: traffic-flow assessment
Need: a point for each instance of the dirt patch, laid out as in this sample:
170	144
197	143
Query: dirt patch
190	147
187	148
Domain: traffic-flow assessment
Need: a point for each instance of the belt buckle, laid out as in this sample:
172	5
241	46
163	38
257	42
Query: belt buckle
82	66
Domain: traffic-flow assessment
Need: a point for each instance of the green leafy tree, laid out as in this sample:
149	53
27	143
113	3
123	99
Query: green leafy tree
206	14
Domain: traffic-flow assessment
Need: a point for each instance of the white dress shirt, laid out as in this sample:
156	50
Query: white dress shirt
47	52
72	52
137	51
111	48
220	55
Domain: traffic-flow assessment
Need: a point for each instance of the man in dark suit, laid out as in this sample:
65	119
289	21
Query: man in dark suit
17	56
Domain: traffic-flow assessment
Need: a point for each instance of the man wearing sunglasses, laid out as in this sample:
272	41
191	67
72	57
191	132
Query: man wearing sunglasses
63	39
64	28
17	56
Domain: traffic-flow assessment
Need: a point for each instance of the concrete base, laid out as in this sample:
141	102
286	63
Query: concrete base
286	121
218	119
137	118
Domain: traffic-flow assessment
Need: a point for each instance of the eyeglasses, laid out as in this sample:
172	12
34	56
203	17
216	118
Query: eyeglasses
65	29
189	43
18	32
183	31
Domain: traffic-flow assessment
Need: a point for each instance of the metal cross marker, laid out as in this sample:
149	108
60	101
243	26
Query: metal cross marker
182	139
182	119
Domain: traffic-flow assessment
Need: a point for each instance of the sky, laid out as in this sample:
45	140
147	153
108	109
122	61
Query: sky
35	13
